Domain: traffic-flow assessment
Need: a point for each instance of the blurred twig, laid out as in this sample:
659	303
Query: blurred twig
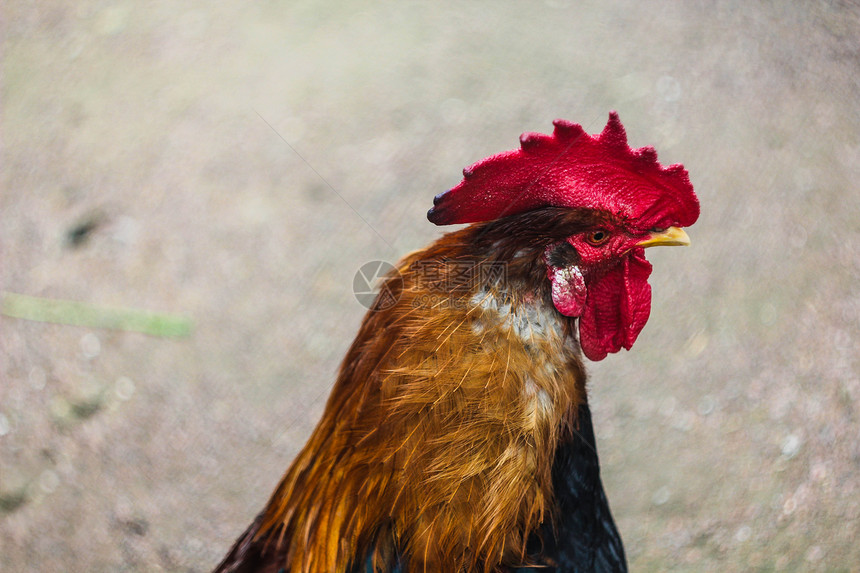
84	314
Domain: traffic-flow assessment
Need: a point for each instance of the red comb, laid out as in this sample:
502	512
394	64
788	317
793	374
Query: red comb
572	169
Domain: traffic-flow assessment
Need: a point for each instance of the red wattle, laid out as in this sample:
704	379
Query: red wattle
617	307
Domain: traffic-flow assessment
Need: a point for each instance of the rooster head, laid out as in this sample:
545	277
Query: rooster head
598	274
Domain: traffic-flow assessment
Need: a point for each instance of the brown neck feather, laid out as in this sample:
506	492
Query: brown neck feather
439	435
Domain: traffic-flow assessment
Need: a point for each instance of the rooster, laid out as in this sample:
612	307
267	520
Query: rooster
457	437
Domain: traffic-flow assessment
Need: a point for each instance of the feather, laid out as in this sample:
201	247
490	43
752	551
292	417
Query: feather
430	447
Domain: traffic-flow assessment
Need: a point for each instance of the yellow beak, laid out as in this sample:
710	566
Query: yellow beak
673	236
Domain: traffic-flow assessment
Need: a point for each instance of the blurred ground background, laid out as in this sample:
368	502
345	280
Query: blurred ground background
729	436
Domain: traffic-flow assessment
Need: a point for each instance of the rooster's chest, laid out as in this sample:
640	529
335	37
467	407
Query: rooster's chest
537	358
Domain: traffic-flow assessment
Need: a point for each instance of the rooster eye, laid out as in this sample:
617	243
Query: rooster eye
597	237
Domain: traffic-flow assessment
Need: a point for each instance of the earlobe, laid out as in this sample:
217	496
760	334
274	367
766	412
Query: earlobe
568	289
